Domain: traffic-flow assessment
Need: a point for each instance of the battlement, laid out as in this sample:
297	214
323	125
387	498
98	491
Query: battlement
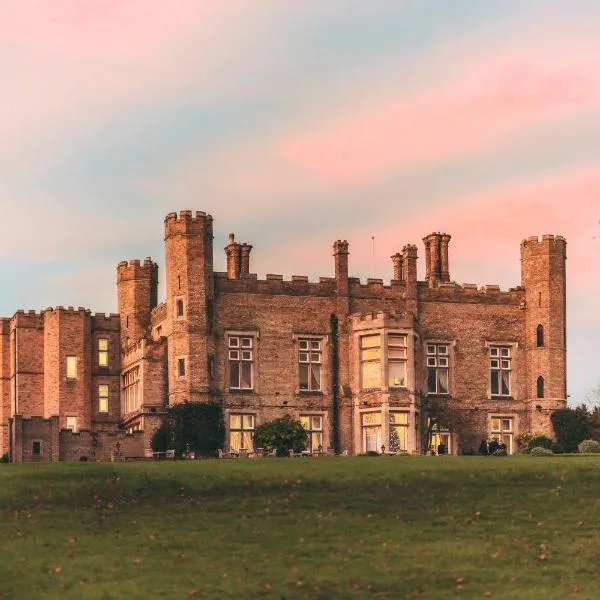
382	319
470	293
134	269
104	322
549	244
158	314
188	222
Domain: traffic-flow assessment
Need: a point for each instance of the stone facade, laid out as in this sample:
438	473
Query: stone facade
363	365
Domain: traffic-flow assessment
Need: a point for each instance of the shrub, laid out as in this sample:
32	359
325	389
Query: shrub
540	441
4	458
540	451
282	435
571	428
589	447
500	452
523	440
191	427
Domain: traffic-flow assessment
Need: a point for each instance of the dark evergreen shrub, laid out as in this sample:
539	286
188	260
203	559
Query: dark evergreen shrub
282	434
571	428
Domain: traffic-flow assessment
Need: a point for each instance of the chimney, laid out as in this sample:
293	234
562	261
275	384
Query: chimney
232	250
245	259
398	267
340	254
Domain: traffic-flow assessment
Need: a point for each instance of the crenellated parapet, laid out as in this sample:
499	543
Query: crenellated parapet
188	222
134	269
549	244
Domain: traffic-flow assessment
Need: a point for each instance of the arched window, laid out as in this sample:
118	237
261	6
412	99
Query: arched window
180	308
540	387
540	336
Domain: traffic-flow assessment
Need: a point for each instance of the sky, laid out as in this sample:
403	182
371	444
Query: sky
295	124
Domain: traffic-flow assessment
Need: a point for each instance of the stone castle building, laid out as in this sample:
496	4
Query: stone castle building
361	365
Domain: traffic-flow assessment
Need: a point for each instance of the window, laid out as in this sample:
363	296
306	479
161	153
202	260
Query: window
103	352
240	350
131	392
502	431
370	361
314	425
397	352
241	432
371	431
71	367
440	436
72	423
181	367
36	448
539	336
159	331
103	398
310	358
179	305
398	439
540	387
437	368
500	360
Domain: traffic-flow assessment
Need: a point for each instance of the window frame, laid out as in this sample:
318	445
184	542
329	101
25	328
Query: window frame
71	359
363	349
179	302
242	415
181	367
102	397
318	432
500	358
433	360
103	353
246	354
309	351
74	429
396	360
500	431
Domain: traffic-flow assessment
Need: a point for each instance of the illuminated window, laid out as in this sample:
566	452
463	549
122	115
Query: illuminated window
371	432
131	400
396	355
103	352
103	398
502	432
71	367
240	359
310	359
241	432
398	434
72	423
314	425
370	361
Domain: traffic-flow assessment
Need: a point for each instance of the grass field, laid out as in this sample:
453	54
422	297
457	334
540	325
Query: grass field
372	527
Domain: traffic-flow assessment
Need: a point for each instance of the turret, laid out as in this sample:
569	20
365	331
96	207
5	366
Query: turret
190	303
543	275
137	287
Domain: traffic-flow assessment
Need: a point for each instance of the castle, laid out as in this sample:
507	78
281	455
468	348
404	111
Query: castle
365	367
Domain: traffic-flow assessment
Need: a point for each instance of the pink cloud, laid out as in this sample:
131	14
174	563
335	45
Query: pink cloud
503	96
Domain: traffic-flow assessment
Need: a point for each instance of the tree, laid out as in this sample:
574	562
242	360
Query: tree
191	427
283	434
571	427
440	414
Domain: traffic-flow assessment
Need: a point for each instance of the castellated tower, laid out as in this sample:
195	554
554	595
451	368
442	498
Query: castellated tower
137	290
543	275
190	297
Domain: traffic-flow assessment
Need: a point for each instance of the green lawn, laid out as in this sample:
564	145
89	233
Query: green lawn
372	527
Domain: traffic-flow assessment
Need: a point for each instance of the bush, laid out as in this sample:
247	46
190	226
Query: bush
540	441
282	435
500	452
589	447
191	427
540	451
571	428
4	458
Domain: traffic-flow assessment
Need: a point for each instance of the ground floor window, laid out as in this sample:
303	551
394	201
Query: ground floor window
441	442
398	434
37	448
241	432
72	423
502	432
371	432
314	425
